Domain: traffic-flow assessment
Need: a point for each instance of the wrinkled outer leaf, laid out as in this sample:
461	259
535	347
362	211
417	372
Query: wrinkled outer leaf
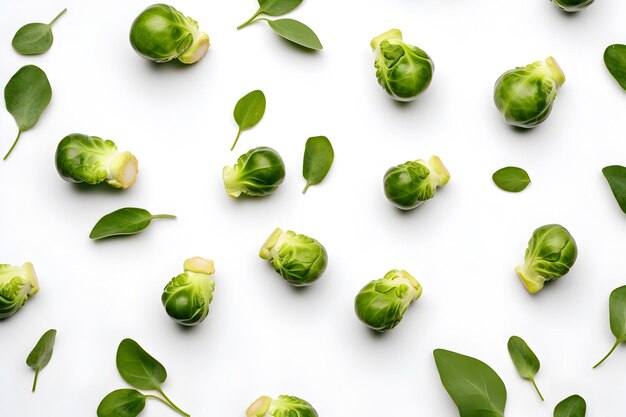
27	95
250	109
42	352
125	221
523	357
122	403
616	176
296	32
278	7
137	367
318	158
474	387
615	61
512	179
574	406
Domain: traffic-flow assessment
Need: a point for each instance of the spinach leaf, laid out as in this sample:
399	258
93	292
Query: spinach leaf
137	367
296	32
125	221
318	158
525	360
249	111
616	177
615	61
574	406
35	38
122	403
272	8
617	318
40	356
512	179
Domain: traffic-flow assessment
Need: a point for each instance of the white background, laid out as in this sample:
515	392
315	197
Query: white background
263	336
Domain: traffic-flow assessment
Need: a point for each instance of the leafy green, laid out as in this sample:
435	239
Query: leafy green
283	406
122	403
39	357
474	387
35	38
27	94
296	32
617	318
616	177
249	111
278	7
572	5
615	61
125	221
17	283
512	179
525	360
318	158
574	406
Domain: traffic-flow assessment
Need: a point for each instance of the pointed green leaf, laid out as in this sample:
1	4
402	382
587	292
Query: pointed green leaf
137	367
40	356
125	221
318	158
122	403
574	406
249	111
296	32
615	61
34	38
617	318
512	179
278	7
524	359
616	177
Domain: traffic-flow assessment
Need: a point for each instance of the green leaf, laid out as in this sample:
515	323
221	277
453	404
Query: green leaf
34	38
574	406
474	387
278	7
615	61
617	318
122	403
616	176
512	179
27	94
249	111
40	356
524	359
318	158
125	221
296	32
137	367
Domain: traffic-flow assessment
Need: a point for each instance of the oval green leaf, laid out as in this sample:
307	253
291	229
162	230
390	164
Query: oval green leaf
137	367
40	356
524	359
615	61
574	406
278	7
296	32
34	38
616	177
617	318
474	387
125	221
249	111
512	179
122	403
318	158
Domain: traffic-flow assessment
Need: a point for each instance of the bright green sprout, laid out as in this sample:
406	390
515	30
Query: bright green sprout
381	304
257	173
17	283
283	406
572	5
187	296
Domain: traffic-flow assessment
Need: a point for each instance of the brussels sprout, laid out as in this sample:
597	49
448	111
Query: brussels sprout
382	303
89	159
187	296
162	33
525	95
404	71
572	5
410	184
283	406
299	259
258	173
17	283
551	253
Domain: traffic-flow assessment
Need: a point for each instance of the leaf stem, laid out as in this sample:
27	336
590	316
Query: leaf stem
236	139
59	15
306	187
163	216
247	22
537	389
617	342
35	381
13	146
171	404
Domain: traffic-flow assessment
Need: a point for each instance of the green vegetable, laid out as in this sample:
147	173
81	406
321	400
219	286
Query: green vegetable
525	95
35	38
17	283
615	61
381	304
616	177
404	71
187	296
551	253
574	406
299	259
318	158
410	184
27	94
125	221
89	159
572	5
283	406
475	388
249	111
525	360
512	179
257	173
617	318
161	33
40	356
141	371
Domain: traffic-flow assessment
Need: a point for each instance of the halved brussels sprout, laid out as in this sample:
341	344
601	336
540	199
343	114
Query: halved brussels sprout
381	304
551	253
257	173
410	184
187	296
17	283
89	159
525	95
283	406
572	5
404	71
162	33
299	259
